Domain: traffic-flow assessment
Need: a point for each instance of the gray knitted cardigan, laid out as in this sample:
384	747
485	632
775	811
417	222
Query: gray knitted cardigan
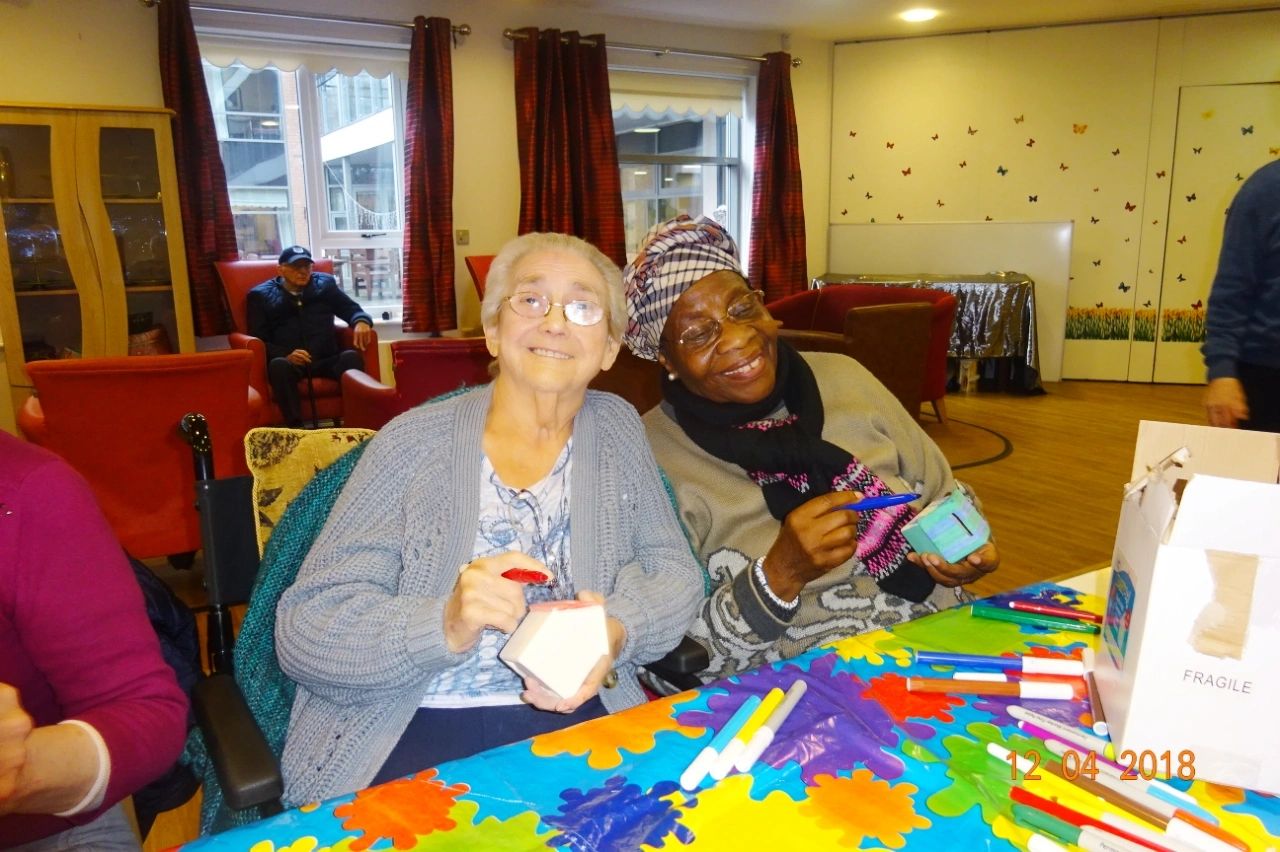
361	630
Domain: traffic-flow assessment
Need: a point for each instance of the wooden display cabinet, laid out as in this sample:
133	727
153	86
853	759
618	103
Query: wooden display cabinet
91	259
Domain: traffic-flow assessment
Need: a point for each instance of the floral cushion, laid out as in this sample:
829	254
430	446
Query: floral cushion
283	461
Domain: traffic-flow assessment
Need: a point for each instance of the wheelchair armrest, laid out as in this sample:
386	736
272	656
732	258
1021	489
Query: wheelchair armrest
680	665
247	770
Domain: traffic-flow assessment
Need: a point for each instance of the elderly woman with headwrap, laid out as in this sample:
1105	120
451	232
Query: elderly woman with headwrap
393	627
764	446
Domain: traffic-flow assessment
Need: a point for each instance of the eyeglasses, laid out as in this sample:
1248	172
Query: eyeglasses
536	306
744	308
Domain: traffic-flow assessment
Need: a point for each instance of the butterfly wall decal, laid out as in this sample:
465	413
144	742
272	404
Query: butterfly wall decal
1018	119
1181	278
873	220
906	171
964	163
850	175
1182	239
1197	150
1155	221
1147	303
934	137
1115	152
1098	262
844	212
1239	176
1245	131
1079	128
852	134
1097	304
1275	152
972	130
1198	304
1062	167
1123	287
1031	143
1002	171
1130	206
888	144
1191	197
1097	188
1160	173
988	219
1093	220
941	203
1032	199
869	196
900	217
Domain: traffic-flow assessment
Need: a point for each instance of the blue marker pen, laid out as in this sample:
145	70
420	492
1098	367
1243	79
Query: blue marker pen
884	501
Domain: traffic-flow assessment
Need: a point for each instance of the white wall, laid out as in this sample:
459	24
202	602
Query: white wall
105	52
1076	123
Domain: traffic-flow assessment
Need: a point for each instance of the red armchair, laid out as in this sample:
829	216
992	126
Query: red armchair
824	309
478	265
424	368
115	420
241	276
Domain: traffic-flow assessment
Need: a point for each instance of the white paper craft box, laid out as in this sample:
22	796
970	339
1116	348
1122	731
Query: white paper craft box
1190	658
558	642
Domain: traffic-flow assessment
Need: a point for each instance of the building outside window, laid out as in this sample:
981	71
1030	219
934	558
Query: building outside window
679	145
316	159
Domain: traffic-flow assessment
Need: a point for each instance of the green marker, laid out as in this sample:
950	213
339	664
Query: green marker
1086	837
1051	622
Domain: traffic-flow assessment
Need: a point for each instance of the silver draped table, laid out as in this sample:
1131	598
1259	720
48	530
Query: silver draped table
995	319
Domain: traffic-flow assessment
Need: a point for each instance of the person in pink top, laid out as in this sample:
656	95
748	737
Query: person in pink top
89	710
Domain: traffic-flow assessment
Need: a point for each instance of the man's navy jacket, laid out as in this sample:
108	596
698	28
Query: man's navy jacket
286	322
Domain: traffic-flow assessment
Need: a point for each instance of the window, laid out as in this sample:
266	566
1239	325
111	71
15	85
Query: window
316	159
679	150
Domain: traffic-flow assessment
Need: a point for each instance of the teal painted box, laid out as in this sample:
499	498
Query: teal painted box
953	528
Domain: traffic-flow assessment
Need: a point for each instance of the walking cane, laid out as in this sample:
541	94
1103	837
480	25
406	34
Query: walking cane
311	395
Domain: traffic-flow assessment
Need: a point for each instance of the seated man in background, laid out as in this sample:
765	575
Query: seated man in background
89	710
293	315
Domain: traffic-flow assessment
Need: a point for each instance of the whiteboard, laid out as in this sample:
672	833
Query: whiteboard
1040	250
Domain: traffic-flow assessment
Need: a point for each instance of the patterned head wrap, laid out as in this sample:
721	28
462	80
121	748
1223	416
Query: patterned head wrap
673	257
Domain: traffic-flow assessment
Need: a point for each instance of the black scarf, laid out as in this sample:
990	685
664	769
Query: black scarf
792	463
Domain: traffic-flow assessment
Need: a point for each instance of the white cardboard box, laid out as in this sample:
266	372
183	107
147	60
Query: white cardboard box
558	642
1190	658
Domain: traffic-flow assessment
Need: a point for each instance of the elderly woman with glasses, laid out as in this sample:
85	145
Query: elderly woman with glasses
764	446
393	627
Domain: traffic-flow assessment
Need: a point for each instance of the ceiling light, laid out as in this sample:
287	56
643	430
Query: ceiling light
645	130
919	16
639	173
270	122
668	179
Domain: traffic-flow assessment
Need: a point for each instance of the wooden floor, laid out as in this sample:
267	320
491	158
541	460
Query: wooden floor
1053	502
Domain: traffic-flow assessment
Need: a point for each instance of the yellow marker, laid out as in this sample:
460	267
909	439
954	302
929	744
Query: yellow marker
724	762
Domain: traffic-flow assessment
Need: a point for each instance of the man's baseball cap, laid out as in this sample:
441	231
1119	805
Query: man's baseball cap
293	254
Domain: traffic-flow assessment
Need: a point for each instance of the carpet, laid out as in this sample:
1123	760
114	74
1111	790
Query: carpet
967	444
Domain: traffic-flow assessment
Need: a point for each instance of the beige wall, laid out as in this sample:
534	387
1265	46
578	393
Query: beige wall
104	52
1059	123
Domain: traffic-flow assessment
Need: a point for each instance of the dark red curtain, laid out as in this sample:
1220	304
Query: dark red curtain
568	155
208	230
777	263
429	300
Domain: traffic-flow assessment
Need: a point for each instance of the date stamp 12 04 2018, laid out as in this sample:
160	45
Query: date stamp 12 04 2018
1129	765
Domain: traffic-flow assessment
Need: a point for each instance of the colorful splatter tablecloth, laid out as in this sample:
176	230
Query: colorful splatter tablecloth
861	764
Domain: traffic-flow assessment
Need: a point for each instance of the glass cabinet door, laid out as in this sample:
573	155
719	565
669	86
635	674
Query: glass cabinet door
42	262
129	186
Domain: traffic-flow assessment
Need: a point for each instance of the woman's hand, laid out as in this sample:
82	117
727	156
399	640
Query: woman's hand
981	562
482	598
817	536
15	727
539	695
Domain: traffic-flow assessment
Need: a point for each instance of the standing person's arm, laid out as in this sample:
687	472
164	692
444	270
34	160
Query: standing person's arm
1232	298
80	613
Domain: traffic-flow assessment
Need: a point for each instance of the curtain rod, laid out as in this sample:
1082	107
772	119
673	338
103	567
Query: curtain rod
458	29
512	35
